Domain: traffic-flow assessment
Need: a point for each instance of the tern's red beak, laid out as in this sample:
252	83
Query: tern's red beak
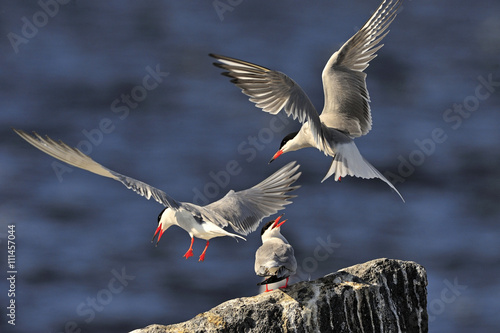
278	154
276	223
158	232
280	224
159	236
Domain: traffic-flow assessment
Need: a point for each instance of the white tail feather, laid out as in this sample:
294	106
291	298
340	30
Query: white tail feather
348	161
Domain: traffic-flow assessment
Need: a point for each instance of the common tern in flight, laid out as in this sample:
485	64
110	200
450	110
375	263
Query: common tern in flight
274	259
242	210
346	111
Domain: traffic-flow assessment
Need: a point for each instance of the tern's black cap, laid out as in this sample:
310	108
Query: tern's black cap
266	226
288	138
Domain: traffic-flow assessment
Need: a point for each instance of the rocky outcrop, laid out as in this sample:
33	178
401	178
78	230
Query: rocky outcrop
382	295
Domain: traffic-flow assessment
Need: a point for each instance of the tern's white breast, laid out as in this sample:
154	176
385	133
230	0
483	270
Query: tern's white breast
203	230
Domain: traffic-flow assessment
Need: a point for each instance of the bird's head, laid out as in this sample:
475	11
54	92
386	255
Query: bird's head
164	222
285	146
272	229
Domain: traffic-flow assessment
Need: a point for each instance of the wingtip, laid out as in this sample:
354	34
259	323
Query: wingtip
227	74
27	136
293	165
19	132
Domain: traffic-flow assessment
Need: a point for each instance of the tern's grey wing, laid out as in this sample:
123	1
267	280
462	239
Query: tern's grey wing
272	91
75	157
275	258
244	210
344	82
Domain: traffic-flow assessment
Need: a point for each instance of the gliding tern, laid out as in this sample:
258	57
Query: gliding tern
242	210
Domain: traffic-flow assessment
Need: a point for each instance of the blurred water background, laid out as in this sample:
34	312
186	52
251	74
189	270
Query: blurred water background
435	129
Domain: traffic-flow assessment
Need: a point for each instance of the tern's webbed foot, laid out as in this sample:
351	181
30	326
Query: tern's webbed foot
188	254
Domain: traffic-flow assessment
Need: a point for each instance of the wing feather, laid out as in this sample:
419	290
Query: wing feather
344	82
75	157
244	210
275	258
273	91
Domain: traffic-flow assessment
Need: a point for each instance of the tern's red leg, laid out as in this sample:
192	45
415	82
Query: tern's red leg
286	284
202	256
267	290
340	179
189	252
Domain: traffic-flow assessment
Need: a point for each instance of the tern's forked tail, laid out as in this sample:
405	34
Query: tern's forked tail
348	161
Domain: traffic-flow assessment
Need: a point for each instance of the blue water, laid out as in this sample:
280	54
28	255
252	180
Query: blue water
76	234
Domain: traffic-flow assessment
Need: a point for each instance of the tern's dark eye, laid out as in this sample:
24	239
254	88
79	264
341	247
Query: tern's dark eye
159	216
287	138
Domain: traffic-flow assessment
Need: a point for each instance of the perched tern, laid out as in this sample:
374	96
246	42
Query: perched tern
274	259
346	112
242	210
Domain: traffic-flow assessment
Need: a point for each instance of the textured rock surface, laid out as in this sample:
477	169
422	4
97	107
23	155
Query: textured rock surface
382	295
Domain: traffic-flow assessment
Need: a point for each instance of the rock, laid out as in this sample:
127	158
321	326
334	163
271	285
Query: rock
381	295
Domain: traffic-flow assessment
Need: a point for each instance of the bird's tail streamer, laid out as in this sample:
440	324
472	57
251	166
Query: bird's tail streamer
348	161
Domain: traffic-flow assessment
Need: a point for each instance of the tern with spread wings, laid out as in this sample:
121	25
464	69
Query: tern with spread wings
242	210
346	111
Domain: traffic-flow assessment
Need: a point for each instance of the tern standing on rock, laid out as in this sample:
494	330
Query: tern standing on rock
346	112
274	259
242	210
